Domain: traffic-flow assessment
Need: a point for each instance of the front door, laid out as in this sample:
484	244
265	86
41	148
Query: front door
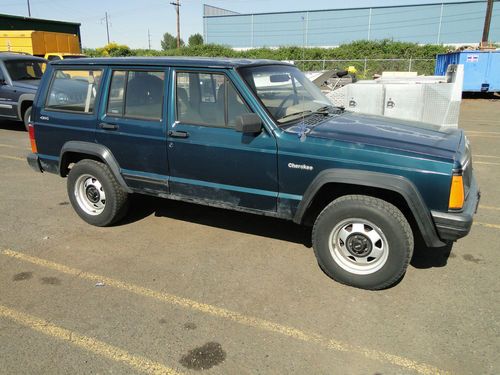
132	126
209	160
8	102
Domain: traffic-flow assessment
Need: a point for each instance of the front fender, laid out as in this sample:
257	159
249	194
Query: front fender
397	184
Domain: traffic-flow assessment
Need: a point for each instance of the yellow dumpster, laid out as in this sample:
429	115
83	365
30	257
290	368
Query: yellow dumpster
39	43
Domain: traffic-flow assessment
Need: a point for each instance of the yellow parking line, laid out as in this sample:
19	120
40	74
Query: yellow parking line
484	162
85	342
15	147
480	132
486	156
12	157
246	320
481	207
483	135
487	225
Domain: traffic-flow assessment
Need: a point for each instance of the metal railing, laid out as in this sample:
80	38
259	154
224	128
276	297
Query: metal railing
367	67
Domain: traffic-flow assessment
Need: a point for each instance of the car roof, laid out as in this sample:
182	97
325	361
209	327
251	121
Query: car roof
19	56
206	62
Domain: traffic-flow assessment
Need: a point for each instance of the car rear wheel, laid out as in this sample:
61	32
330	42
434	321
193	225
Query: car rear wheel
95	194
363	242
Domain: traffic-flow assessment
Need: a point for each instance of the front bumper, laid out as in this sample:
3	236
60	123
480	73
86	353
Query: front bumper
34	162
454	225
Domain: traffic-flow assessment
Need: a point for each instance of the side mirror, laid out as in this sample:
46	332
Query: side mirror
2	81
248	123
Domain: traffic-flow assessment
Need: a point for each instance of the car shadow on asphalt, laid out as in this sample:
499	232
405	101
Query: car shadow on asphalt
143	206
430	257
481	95
12	125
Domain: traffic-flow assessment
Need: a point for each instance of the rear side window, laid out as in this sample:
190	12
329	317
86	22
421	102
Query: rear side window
136	94
74	90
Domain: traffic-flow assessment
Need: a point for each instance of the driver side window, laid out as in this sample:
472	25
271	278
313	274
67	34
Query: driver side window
208	99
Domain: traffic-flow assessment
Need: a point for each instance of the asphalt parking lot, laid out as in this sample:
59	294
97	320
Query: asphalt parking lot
180	288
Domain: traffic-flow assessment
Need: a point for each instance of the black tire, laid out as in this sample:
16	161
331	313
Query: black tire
356	259
26	117
111	201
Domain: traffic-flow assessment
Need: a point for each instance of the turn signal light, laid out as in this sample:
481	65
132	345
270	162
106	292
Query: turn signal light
31	132
457	195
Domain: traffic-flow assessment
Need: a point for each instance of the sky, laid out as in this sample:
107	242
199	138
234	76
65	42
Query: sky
131	19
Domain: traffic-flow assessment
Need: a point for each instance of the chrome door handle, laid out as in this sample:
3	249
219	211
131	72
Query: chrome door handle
178	134
107	126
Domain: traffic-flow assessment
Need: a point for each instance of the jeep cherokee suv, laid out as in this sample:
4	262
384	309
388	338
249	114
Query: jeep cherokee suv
20	76
254	136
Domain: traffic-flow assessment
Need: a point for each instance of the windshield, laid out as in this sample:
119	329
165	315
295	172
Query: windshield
24	69
285	91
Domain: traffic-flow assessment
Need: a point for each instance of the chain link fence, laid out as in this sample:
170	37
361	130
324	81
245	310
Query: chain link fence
366	68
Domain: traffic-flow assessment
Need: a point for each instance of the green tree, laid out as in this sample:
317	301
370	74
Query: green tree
115	50
195	40
169	42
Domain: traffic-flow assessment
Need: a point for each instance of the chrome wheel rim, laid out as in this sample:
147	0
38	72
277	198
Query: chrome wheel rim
358	246
90	194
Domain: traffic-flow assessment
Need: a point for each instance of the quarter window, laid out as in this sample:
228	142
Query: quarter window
207	99
117	93
74	90
136	94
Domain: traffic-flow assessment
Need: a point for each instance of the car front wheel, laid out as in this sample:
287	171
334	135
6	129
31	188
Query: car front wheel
363	241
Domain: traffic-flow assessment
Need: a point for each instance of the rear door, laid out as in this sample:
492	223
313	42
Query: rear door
209	160
132	125
69	111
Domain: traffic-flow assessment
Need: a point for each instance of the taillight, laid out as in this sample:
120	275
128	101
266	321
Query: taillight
31	132
457	194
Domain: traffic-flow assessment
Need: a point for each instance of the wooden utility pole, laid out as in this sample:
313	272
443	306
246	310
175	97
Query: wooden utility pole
149	40
487	22
29	9
177	5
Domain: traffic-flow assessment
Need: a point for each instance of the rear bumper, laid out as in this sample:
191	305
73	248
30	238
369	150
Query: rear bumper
34	162
454	225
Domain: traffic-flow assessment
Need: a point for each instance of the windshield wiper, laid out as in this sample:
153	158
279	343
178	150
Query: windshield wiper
326	110
296	114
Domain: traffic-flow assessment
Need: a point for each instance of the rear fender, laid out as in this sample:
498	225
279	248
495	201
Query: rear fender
100	151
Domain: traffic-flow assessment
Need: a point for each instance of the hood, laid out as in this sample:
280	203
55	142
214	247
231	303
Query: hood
409	136
30	84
